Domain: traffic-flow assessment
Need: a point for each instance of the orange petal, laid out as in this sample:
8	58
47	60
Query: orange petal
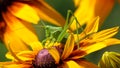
55	54
19	33
68	48
24	12
119	1
86	64
87	10
103	8
46	12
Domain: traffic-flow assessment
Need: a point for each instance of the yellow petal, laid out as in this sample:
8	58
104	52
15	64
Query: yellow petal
26	55
24	12
87	10
14	41
87	49
47	13
76	3
77	64
22	56
70	64
19	33
13	65
93	47
68	48
12	54
55	54
90	28
97	46
114	41
104	34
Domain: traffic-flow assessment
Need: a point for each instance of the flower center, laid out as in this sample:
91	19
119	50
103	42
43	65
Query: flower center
44	60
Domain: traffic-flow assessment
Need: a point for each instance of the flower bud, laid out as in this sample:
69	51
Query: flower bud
110	60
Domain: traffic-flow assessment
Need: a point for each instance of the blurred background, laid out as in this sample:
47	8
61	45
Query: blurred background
62	6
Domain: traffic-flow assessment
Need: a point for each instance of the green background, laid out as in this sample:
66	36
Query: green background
62	6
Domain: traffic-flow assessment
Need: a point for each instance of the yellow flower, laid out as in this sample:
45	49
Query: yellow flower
87	10
110	60
64	55
16	16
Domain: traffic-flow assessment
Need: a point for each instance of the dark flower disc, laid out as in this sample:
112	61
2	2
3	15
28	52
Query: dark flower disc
44	60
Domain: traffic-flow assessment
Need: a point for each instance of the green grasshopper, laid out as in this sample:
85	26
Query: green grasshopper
51	32
57	34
